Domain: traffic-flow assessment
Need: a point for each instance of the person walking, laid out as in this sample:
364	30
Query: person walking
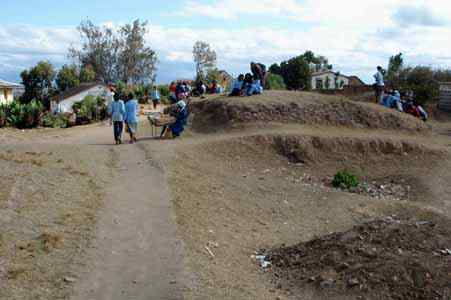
155	97
379	85
132	116
116	109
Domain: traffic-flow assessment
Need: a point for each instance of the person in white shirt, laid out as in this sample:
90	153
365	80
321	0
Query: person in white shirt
379	85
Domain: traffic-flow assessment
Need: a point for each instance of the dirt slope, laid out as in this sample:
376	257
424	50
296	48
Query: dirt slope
299	107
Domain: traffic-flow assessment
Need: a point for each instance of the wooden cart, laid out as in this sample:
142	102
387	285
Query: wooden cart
159	120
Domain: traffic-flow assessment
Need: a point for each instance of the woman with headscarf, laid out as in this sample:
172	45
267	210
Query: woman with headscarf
180	112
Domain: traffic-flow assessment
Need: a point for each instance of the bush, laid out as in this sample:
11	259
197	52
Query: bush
164	90
55	121
345	180
24	115
90	109
275	82
3	115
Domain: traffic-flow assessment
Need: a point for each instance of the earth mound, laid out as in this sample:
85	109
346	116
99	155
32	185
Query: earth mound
383	259
298	107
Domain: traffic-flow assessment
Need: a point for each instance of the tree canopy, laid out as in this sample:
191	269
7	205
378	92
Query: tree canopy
116	54
67	78
204	58
38	82
296	73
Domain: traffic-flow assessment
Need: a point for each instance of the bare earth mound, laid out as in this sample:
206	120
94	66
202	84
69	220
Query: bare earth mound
389	259
236	195
299	107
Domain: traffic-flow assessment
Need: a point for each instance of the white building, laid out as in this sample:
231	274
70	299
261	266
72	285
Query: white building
8	90
63	103
329	80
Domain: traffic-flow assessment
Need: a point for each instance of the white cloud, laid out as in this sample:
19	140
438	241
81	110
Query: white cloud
354	35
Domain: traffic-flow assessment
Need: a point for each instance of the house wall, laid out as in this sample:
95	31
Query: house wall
331	77
6	95
65	106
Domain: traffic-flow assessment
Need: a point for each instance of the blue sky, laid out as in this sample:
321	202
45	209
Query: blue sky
355	35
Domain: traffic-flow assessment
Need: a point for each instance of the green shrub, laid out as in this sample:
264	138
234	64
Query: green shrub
164	90
275	82
90	109
55	121
3	115
24	115
345	180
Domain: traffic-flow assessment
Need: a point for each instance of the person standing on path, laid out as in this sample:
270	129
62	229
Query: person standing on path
155	97
116	110
132	117
379	85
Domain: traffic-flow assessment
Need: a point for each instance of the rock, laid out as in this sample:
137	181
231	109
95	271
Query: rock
326	284
353	282
70	279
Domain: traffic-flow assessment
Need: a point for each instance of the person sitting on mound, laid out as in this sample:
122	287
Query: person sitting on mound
237	87
255	88
180	112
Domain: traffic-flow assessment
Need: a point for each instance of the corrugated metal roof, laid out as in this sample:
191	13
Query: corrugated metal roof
4	83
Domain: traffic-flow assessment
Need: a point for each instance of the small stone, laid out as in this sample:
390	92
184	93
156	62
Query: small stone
326	284
353	282
69	279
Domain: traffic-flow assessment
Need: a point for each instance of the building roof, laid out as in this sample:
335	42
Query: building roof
327	72
77	90
4	83
357	79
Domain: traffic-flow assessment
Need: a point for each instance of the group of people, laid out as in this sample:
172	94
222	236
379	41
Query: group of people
124	111
179	91
250	84
401	101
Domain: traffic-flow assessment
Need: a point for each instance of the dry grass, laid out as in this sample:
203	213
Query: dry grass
48	204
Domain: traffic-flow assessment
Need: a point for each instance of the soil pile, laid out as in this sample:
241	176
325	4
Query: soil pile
383	259
299	107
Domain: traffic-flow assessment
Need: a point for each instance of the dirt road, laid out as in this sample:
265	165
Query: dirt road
136	254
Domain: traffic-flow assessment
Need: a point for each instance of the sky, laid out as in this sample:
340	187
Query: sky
354	35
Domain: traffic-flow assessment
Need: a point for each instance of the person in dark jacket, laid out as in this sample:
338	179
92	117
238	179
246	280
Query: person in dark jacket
259	72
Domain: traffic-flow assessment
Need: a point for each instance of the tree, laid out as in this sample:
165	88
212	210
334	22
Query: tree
395	66
275	69
67	78
87	74
100	48
274	82
204	58
296	73
320	63
38	83
137	63
213	75
116	55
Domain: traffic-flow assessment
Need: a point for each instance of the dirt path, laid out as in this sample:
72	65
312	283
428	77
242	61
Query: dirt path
136	254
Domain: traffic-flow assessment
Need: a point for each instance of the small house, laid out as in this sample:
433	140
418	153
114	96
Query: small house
330	80
64	102
8	90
